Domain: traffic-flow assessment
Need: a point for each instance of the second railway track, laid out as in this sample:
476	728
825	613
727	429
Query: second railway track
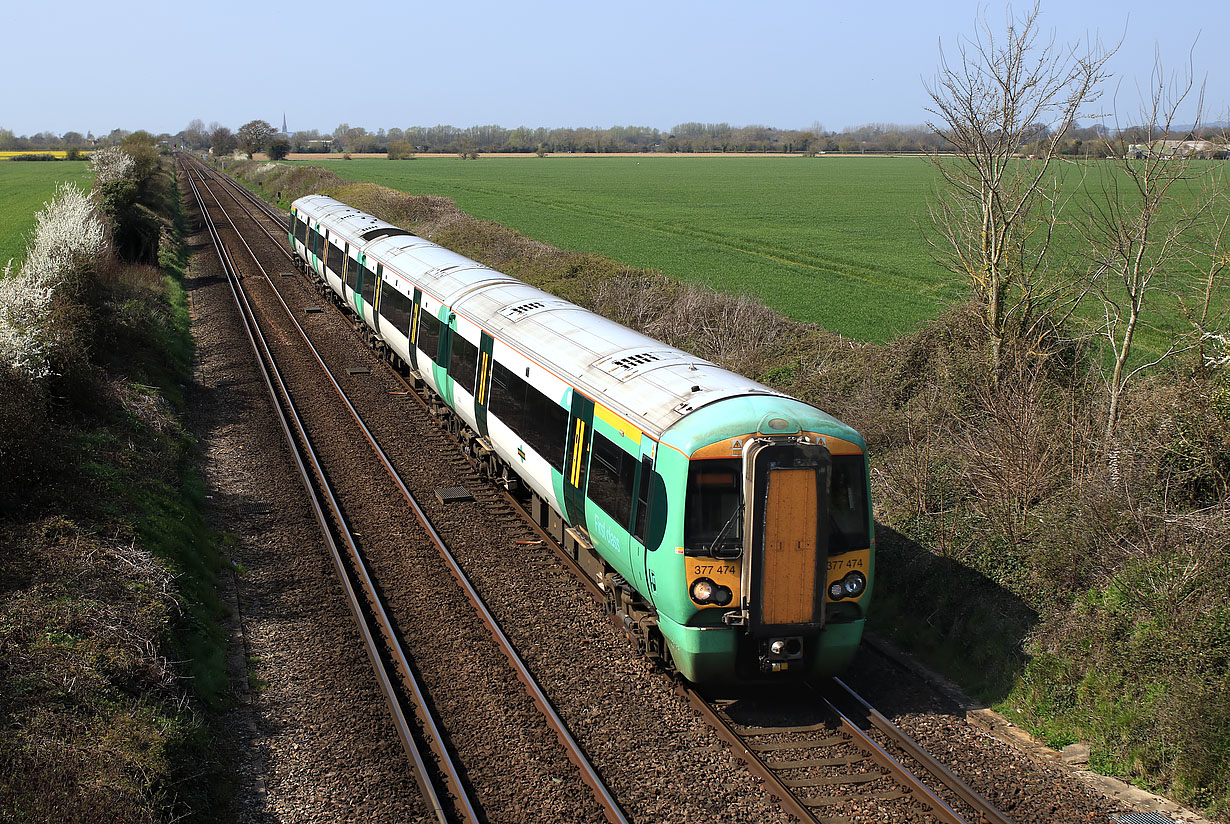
486	724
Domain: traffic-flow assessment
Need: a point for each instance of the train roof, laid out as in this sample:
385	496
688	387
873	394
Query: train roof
651	384
355	226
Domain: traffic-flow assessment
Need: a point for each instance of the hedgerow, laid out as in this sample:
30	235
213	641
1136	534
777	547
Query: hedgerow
109	618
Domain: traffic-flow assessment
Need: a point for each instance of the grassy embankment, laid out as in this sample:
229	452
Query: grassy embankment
1079	587
110	621
23	189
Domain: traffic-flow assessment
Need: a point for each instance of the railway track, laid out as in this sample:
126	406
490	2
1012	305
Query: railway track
444	783
843	763
834	761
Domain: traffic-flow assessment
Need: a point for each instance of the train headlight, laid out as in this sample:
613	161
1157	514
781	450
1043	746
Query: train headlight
854	584
850	586
703	590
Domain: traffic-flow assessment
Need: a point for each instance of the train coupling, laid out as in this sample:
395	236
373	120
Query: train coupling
778	654
735	618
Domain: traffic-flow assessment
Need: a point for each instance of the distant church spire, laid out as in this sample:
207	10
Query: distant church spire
284	123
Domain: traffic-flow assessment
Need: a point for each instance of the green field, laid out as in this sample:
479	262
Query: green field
833	241
24	188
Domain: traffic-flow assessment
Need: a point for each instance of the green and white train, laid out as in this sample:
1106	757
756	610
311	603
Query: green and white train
728	524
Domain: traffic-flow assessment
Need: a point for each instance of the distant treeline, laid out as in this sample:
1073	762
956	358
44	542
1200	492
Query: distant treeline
49	141
879	138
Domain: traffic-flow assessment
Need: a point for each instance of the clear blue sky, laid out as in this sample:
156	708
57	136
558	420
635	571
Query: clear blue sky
89	66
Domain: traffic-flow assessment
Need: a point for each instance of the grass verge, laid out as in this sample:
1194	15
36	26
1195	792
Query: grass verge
114	652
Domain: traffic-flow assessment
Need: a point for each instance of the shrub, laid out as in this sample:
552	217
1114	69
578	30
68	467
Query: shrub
111	164
278	149
68	243
33	156
401	150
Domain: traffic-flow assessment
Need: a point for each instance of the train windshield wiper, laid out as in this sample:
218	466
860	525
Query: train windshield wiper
712	550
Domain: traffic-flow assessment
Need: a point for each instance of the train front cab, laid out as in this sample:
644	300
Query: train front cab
778	562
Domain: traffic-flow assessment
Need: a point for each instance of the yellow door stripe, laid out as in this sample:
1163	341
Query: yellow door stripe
576	454
482	381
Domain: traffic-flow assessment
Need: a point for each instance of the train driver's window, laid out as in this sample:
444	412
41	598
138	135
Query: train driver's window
712	513
848	505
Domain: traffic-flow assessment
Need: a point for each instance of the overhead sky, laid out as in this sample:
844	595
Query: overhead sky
85	66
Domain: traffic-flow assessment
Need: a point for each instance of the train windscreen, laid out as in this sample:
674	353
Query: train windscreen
713	512
848	505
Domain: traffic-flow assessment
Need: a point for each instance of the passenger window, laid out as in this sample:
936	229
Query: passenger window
367	287
463	363
612	475
429	333
395	308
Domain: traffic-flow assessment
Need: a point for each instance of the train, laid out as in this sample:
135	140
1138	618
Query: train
728	525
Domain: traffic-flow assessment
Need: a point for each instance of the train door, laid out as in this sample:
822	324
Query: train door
576	458
642	546
348	270
482	386
444	381
359	274
318	237
376	298
787	495
414	328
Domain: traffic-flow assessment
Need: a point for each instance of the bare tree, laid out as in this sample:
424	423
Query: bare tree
194	134
1143	222
254	135
222	141
995	212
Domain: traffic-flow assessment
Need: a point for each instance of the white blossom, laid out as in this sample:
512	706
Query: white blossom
1218	356
68	236
111	163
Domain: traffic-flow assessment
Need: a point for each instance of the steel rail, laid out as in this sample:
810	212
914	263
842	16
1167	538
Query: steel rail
903	775
968	794
575	752
755	764
257	340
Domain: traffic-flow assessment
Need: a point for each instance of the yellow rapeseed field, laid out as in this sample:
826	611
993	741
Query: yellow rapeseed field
60	153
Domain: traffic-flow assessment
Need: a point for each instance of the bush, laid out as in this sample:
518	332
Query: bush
278	149
34	156
68	246
401	150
